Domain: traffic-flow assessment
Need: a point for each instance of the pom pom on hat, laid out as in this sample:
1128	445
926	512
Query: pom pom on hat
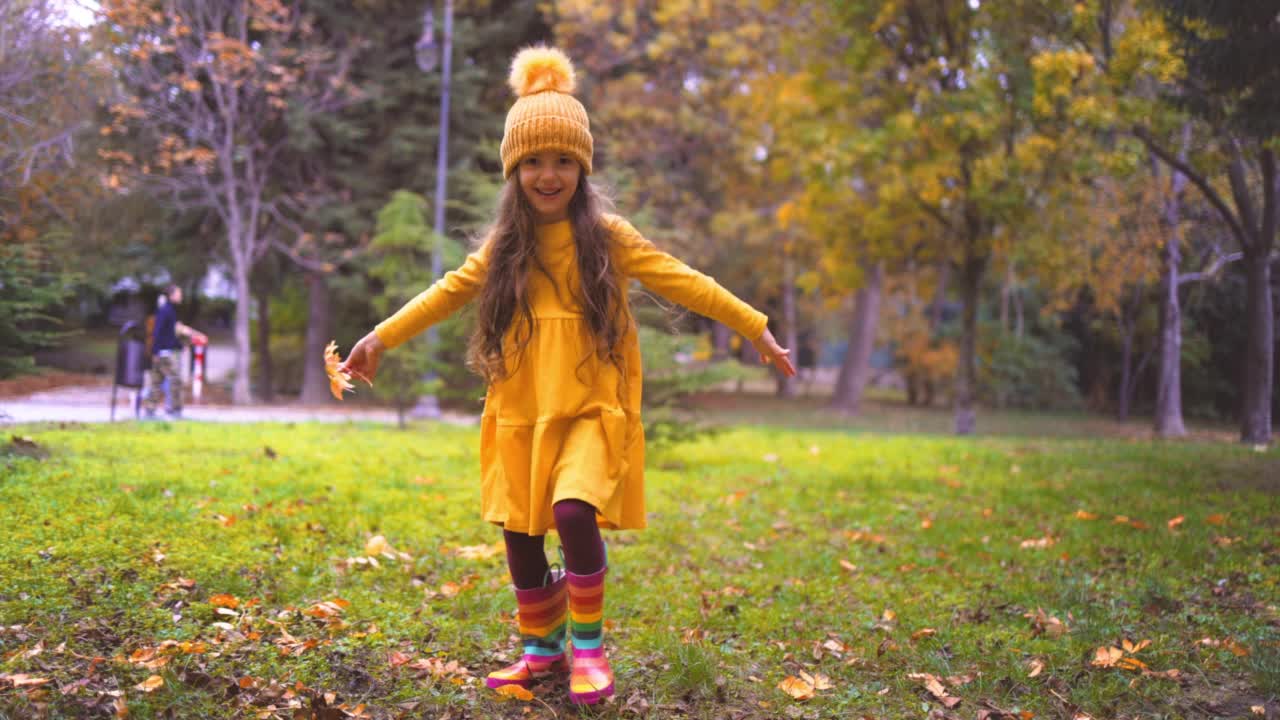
539	69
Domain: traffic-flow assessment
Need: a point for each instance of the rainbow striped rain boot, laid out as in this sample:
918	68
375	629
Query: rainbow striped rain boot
541	615
591	678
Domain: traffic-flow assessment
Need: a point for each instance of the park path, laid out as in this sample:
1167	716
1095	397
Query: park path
92	404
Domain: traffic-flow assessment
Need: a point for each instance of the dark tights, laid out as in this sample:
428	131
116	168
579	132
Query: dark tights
579	536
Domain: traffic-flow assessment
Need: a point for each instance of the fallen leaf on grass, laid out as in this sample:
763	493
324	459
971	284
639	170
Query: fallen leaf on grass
514	691
796	688
149	657
1126	520
1086	515
848	565
24	680
480	552
1044	542
223	600
151	684
377	545
1257	710
922	633
1036	667
1216	519
1106	656
1236	648
860	536
439	668
1175	522
817	680
327	608
936	688
1043	623
1123	658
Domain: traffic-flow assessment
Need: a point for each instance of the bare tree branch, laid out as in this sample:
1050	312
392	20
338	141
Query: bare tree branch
1196	179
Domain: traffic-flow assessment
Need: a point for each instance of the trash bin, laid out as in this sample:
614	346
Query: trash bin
131	364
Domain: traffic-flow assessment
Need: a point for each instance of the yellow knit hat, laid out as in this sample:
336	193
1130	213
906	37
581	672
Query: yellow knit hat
546	116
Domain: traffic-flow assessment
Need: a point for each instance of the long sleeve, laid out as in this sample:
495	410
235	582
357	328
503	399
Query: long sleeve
660	272
437	302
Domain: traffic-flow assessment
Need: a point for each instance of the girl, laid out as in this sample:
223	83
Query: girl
561	444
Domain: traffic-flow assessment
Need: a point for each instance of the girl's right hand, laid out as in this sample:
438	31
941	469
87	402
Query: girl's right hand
363	361
773	353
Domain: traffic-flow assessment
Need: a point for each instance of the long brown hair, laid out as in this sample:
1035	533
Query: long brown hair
504	298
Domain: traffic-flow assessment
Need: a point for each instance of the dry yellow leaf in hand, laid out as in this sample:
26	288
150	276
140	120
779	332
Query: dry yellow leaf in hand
338	380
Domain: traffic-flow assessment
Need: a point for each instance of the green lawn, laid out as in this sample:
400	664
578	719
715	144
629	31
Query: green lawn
858	558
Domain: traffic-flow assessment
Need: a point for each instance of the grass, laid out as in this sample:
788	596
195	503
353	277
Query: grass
771	551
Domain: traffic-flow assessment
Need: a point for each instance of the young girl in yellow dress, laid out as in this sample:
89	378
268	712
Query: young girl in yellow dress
561	444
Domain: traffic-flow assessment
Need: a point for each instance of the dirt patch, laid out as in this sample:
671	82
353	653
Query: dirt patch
24	385
1228	699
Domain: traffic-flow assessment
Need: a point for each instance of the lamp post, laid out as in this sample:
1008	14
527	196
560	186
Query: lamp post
428	405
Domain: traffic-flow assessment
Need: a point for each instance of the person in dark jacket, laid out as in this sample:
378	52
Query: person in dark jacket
165	352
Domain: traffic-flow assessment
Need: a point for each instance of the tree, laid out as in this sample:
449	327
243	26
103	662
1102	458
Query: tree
975	136
399	258
666	78
1230	55
45	95
343	165
207	90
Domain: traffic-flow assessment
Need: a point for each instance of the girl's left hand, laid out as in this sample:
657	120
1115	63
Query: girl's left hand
771	352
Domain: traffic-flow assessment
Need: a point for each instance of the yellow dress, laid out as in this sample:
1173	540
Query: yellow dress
561	425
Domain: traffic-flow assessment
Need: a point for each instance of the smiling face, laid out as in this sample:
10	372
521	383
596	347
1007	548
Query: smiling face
548	180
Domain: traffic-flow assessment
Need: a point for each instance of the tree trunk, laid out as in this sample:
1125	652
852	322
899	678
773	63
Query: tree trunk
967	373
1126	369
1168	420
1255	416
855	371
1019	317
265	384
720	337
787	386
240	384
315	385
939	297
1169	391
1259	354
1006	288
